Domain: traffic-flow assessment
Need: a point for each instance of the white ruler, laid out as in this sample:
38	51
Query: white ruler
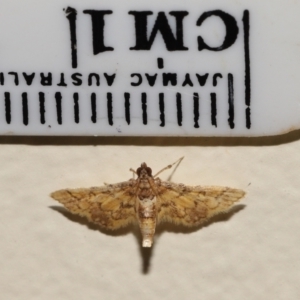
159	68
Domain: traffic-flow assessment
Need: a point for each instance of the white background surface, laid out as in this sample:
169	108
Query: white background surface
252	253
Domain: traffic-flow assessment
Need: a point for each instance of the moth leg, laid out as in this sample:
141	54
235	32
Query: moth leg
133	172
169	166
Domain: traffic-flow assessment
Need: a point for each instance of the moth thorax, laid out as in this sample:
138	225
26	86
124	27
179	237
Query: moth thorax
145	194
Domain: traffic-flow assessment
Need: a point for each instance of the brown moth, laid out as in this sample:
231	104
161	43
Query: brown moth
148	201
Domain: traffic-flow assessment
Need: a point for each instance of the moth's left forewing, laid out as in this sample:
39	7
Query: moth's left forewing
192	206
111	206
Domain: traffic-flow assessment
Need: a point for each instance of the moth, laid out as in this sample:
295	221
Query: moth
148	201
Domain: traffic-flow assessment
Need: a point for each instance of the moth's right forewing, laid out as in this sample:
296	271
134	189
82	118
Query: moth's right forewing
191	206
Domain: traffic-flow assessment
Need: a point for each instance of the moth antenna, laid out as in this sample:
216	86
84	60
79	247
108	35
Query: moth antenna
169	166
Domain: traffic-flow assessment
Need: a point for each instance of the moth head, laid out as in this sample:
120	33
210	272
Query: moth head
144	170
